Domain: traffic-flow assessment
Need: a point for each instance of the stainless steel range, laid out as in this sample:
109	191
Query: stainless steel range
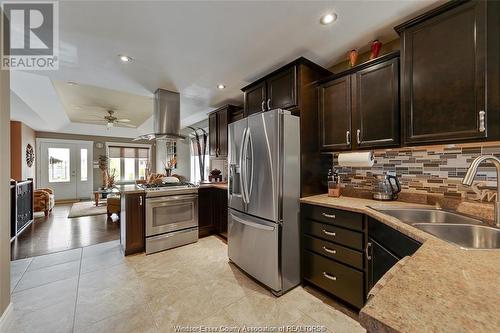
171	215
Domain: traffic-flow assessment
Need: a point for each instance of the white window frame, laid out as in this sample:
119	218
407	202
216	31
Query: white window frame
128	145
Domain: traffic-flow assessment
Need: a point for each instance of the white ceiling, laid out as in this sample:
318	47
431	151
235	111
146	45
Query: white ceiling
190	47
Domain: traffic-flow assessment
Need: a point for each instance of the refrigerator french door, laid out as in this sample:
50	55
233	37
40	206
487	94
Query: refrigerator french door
263	198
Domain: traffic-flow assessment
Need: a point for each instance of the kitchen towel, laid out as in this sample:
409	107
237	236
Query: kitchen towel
359	159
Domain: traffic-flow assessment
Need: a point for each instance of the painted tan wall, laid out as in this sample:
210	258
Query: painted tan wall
20	136
4	189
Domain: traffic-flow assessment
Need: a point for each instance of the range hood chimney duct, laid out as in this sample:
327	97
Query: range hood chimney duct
166	116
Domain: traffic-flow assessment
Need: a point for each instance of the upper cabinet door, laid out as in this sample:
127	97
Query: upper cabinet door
212	133
282	90
255	99
222	120
335	114
444	76
376	105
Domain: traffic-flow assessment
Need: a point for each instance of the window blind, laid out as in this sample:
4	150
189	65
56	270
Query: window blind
127	152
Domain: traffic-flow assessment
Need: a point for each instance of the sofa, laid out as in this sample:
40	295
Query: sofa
44	200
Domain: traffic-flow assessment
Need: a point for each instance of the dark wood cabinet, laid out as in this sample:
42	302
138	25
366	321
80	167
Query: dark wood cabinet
375	105
212	211
21	206
205	221
448	63
333	257
385	248
359	108
335	114
282	89
212	134
255	98
217	128
132	222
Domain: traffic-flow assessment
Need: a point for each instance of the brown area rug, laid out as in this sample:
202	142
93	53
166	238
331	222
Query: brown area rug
87	208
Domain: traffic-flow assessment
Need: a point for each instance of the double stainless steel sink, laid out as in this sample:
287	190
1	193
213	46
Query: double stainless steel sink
467	232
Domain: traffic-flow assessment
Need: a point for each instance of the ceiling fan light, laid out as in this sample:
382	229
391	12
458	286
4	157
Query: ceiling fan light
109	125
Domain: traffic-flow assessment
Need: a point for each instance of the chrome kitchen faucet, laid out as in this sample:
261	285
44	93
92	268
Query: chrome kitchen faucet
471	173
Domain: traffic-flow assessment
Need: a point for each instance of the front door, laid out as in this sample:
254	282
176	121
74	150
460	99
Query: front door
65	167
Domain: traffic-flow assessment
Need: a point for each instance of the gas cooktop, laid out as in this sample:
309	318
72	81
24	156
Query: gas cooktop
167	188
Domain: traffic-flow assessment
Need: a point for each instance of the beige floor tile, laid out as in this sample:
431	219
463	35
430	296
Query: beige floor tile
17	269
49	274
137	320
57	318
334	320
33	299
306	324
55	259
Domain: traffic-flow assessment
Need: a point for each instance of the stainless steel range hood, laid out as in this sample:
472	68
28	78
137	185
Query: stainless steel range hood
166	116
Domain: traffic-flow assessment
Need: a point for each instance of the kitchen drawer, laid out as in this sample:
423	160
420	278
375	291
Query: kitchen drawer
344	282
337	217
334	251
337	235
399	244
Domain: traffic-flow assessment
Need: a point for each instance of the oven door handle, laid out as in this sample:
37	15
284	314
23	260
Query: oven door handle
171	198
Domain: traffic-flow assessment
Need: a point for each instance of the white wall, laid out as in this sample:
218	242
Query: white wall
4	189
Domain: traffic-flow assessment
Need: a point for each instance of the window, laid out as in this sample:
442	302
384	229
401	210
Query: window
83	164
59	164
128	163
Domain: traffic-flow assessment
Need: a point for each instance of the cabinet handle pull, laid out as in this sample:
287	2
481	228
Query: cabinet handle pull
262	106
140	200
329	233
329	250
269	104
367	251
358	134
330	216
330	277
348	137
482	120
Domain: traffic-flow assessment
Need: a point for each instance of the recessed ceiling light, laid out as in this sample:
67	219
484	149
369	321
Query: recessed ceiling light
72	83
328	18
221	86
125	58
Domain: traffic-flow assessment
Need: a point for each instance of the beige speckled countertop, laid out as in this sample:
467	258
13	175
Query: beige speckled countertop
441	288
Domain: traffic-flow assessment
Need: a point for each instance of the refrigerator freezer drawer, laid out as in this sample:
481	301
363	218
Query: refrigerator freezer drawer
253	246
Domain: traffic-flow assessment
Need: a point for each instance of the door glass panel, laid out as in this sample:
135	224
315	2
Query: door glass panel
83	164
173	213
59	165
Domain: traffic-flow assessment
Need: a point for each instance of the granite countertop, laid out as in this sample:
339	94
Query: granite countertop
441	288
222	186
129	189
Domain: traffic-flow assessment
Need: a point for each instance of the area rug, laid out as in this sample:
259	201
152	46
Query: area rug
87	208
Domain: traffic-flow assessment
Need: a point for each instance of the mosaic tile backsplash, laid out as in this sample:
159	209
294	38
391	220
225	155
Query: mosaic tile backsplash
429	170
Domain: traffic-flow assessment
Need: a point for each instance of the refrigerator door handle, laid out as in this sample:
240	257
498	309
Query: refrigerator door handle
252	224
249	141
243	167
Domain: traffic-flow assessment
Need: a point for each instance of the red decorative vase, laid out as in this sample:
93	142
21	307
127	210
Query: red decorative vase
353	57
376	45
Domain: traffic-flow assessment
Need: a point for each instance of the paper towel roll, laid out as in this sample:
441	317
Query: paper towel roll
361	159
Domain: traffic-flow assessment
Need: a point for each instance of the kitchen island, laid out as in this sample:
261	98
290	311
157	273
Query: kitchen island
132	218
440	288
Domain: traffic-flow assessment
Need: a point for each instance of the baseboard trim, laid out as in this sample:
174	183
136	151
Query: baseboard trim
4	317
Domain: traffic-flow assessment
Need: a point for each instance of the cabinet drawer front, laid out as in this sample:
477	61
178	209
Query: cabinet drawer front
344	282
337	217
330	233
334	251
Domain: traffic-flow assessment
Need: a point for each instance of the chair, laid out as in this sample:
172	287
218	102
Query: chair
44	200
113	204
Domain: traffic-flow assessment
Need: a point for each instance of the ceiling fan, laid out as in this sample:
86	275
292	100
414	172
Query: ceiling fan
111	121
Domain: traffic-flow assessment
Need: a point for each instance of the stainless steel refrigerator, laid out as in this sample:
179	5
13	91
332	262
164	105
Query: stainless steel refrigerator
263	190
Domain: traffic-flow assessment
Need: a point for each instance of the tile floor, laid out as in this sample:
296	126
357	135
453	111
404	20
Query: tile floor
96	289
